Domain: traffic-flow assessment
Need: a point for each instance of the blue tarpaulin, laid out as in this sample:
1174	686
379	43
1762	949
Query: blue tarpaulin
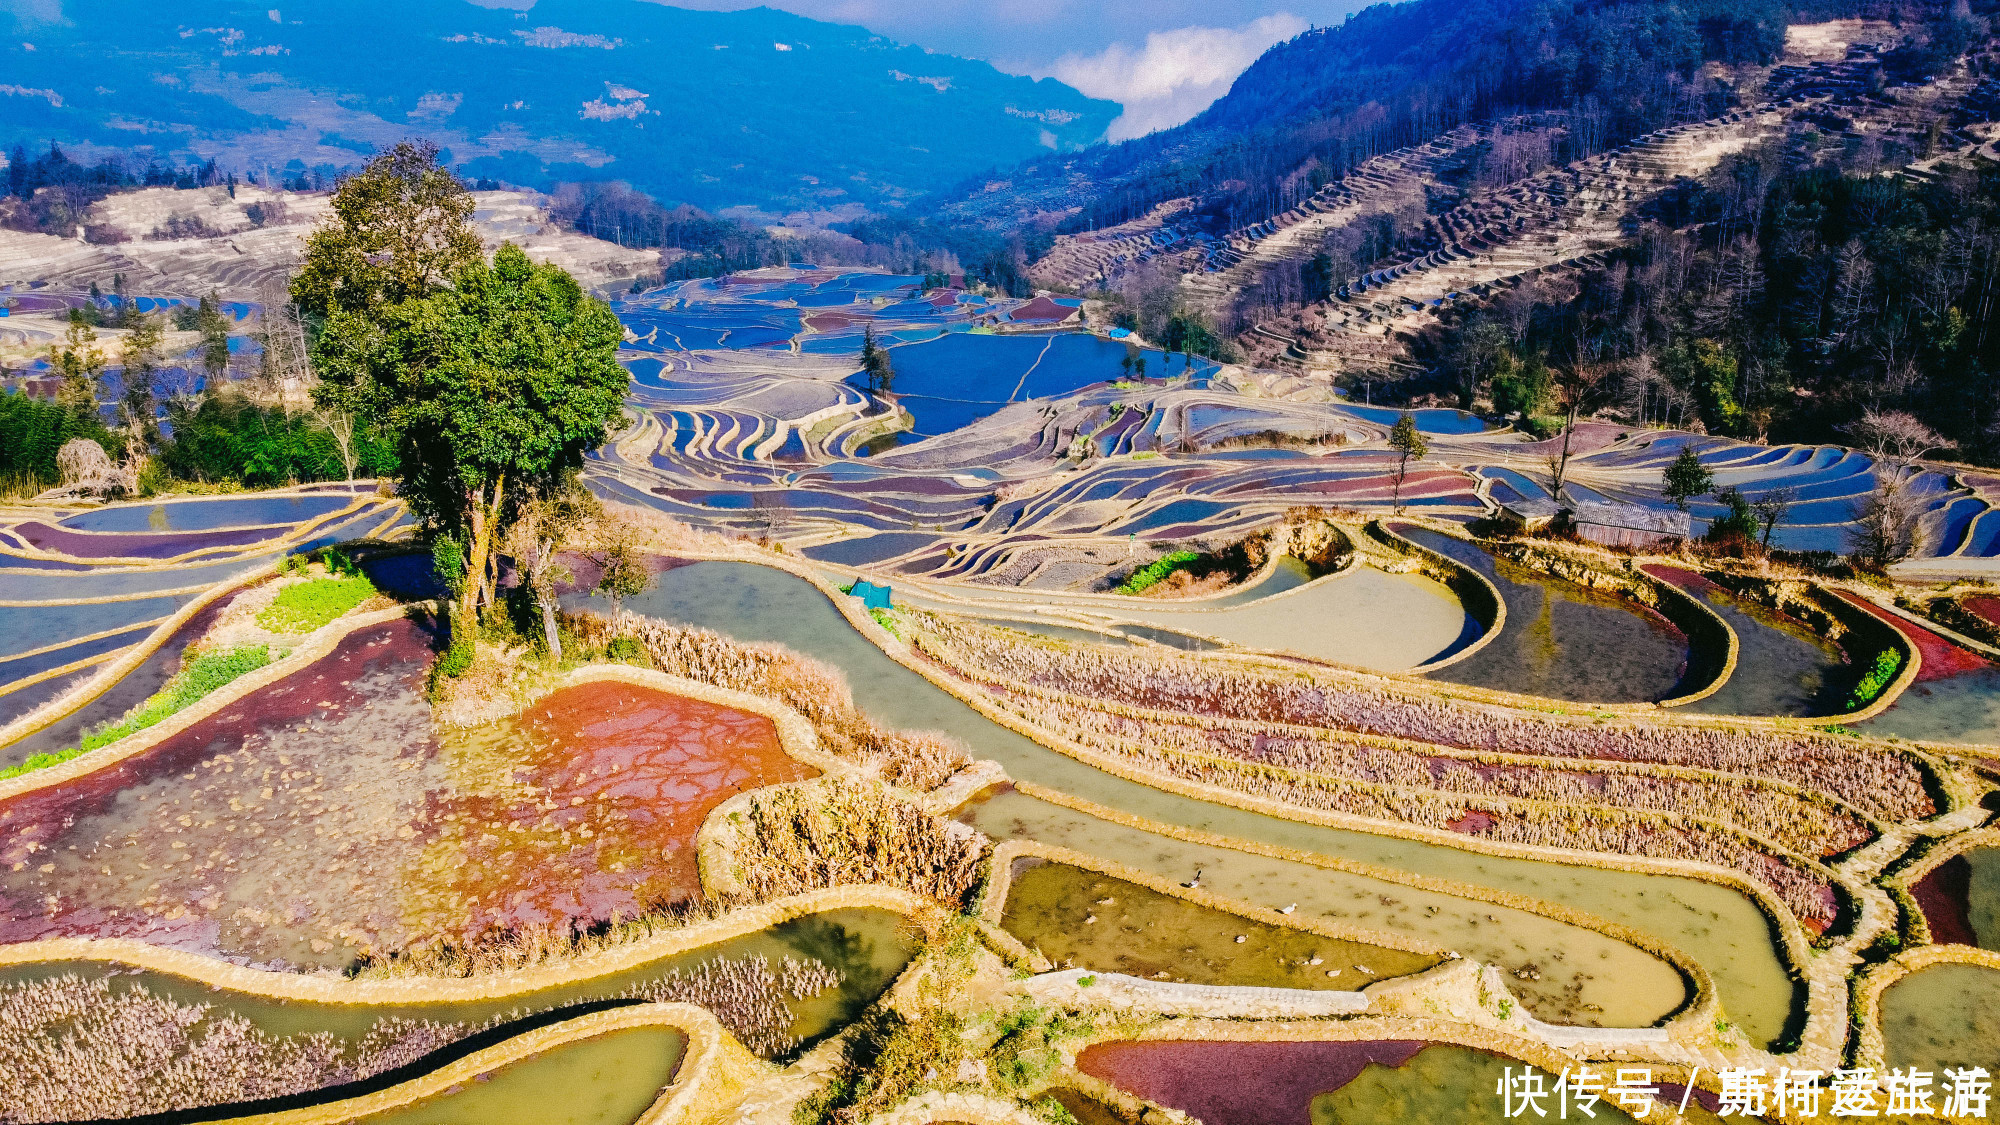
871	595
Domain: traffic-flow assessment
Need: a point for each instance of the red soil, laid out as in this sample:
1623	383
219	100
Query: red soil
1985	606
1471	823
1678	576
1941	659
596	809
1941	895
1043	308
1239	1083
320	817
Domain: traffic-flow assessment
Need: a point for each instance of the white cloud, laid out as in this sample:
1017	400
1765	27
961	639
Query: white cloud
13	91
1176	75
436	107
557	38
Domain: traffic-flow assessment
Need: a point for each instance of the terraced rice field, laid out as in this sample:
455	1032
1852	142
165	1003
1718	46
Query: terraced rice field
1429	765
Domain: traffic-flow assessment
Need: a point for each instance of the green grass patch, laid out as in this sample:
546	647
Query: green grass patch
208	670
1148	577
1888	663
308	605
886	620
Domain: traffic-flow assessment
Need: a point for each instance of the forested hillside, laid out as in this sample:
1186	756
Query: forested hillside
1781	305
1396	74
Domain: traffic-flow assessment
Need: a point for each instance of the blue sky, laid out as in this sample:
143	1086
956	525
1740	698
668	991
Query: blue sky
1163	60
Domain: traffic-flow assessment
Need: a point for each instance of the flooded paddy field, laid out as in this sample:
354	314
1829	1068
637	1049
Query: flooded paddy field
321	817
1783	667
131	690
1563	973
1561	640
609	1079
1960	899
1943	1016
1365	617
1720	928
1085	919
208	514
1363	1082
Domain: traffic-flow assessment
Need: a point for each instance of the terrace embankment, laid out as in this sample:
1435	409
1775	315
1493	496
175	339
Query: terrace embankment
320	818
1721	927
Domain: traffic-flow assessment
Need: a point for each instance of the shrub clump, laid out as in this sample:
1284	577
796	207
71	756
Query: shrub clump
203	672
1888	663
1151	575
306	606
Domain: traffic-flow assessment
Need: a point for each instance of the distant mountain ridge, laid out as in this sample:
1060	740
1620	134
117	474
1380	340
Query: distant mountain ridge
756	107
1396	74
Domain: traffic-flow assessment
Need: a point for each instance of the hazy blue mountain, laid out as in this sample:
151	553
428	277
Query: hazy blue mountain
713	108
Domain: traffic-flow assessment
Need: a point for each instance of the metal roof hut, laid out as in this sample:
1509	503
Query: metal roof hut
1529	513
871	595
1628	525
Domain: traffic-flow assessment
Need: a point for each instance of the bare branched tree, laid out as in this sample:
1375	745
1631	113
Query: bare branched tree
1771	508
1887	520
1577	387
545	525
1896	440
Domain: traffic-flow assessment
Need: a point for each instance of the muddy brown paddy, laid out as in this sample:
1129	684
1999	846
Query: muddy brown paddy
322	817
585	806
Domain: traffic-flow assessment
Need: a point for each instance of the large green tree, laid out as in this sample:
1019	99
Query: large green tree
1408	442
401	228
493	387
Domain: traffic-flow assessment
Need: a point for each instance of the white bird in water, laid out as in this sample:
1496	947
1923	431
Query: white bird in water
1288	909
1194	882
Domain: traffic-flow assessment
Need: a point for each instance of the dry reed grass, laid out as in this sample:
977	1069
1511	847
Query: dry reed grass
1875	778
842	832
74	1049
